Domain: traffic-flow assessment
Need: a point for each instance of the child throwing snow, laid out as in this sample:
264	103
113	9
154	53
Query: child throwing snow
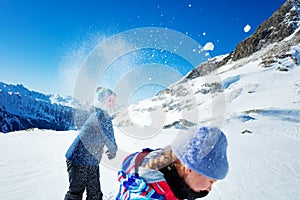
186	169
85	153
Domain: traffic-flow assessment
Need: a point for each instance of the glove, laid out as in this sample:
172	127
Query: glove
110	155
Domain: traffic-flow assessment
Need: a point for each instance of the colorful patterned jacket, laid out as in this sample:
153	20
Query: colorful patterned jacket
138	182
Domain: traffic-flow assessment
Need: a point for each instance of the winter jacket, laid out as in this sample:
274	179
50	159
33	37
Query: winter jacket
97	131
138	182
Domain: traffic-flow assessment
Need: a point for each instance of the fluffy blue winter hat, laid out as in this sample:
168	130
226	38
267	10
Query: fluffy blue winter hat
203	150
103	93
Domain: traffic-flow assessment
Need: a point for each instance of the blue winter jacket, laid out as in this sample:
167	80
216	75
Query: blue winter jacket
96	132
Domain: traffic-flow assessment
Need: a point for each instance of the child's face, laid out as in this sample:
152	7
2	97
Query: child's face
198	182
110	101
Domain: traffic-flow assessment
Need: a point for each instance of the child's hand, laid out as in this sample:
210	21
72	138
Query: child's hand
110	155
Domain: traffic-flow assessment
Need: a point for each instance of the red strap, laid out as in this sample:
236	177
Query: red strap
163	188
139	158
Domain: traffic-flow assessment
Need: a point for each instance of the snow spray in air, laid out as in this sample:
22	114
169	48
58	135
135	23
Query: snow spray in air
138	64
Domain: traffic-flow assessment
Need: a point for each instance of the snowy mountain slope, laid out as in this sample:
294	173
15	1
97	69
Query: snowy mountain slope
230	86
240	90
21	109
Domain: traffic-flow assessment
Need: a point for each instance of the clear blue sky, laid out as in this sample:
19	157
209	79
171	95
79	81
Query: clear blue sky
38	38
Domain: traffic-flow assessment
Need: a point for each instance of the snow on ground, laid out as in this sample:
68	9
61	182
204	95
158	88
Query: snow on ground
264	164
32	164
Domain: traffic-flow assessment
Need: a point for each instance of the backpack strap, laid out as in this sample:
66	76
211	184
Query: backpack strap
133	161
139	159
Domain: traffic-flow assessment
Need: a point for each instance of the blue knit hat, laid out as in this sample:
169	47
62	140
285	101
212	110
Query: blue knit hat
203	150
103	93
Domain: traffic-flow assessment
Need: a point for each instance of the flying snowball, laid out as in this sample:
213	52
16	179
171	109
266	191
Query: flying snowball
209	46
247	28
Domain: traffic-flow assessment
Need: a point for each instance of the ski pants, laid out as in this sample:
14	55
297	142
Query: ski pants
83	177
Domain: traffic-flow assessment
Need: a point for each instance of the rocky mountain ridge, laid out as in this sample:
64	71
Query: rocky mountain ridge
284	22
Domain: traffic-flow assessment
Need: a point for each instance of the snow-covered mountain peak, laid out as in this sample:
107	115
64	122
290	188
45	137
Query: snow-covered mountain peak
21	109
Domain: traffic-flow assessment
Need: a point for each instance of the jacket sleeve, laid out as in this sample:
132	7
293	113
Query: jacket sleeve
108	132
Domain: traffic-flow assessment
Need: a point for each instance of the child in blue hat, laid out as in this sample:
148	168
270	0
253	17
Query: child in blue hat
85	153
186	169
